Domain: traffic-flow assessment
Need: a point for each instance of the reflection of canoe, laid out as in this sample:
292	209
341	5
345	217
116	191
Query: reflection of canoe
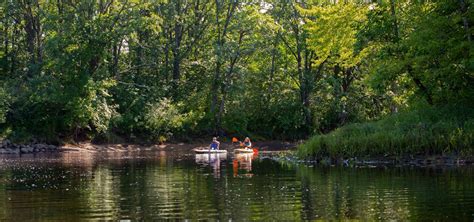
213	160
207	158
209	151
243	150
242	161
243	155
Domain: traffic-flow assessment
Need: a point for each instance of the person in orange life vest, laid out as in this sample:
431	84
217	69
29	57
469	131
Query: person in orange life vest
247	143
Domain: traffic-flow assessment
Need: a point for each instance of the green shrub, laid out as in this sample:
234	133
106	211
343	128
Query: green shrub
162	119
50	110
427	130
3	104
157	123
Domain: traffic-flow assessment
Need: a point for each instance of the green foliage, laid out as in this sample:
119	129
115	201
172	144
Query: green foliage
154	71
426	130
41	111
162	119
4	104
430	57
333	33
280	118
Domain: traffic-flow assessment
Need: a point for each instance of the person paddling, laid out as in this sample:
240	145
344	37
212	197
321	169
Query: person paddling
247	143
214	144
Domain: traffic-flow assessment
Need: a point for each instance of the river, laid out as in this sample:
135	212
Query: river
154	185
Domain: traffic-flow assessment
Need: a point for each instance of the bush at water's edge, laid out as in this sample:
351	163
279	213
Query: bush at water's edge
426	131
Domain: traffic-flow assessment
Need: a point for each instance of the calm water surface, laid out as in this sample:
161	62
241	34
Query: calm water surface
179	185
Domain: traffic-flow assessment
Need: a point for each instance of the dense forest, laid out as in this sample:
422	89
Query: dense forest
132	70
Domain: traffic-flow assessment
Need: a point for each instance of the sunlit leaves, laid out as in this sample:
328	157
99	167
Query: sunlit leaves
126	66
430	53
4	103
333	30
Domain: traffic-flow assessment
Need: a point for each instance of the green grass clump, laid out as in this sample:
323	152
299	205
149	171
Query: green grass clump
428	130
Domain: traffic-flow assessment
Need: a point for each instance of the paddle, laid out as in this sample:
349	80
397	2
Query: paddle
235	140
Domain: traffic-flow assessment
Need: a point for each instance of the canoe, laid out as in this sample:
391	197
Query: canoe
243	150
209	151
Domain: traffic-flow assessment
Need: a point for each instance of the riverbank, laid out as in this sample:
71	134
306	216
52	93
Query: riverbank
282	152
7	147
428	131
384	161
87	146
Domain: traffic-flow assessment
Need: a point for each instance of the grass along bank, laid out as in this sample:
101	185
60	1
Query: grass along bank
423	131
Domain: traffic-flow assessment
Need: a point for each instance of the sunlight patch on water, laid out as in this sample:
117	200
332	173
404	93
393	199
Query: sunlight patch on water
178	185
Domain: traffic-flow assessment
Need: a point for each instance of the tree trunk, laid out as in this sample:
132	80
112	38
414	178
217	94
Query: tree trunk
215	88
13	56
176	68
215	81
167	54
116	49
303	73
59	7
5	42
420	86
178	34
272	68
220	41
139	51
225	86
30	40
348	77
303	70
33	36
463	9
176	59
220	113
395	20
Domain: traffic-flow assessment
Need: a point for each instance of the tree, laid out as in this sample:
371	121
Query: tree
333	36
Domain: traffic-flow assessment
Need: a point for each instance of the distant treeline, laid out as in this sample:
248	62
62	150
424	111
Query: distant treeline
153	70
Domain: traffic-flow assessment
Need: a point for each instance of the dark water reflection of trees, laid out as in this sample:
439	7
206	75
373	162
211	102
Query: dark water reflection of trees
162	185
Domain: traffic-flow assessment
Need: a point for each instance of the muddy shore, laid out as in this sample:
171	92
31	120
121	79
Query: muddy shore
7	147
262	146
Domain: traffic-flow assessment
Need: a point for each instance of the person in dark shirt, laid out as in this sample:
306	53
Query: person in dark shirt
215	145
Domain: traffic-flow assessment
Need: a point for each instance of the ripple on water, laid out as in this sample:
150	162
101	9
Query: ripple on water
156	186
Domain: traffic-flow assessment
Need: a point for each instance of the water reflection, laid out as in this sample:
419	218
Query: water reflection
166	185
212	159
243	161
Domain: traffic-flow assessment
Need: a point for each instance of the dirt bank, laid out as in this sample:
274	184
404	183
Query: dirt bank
90	147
